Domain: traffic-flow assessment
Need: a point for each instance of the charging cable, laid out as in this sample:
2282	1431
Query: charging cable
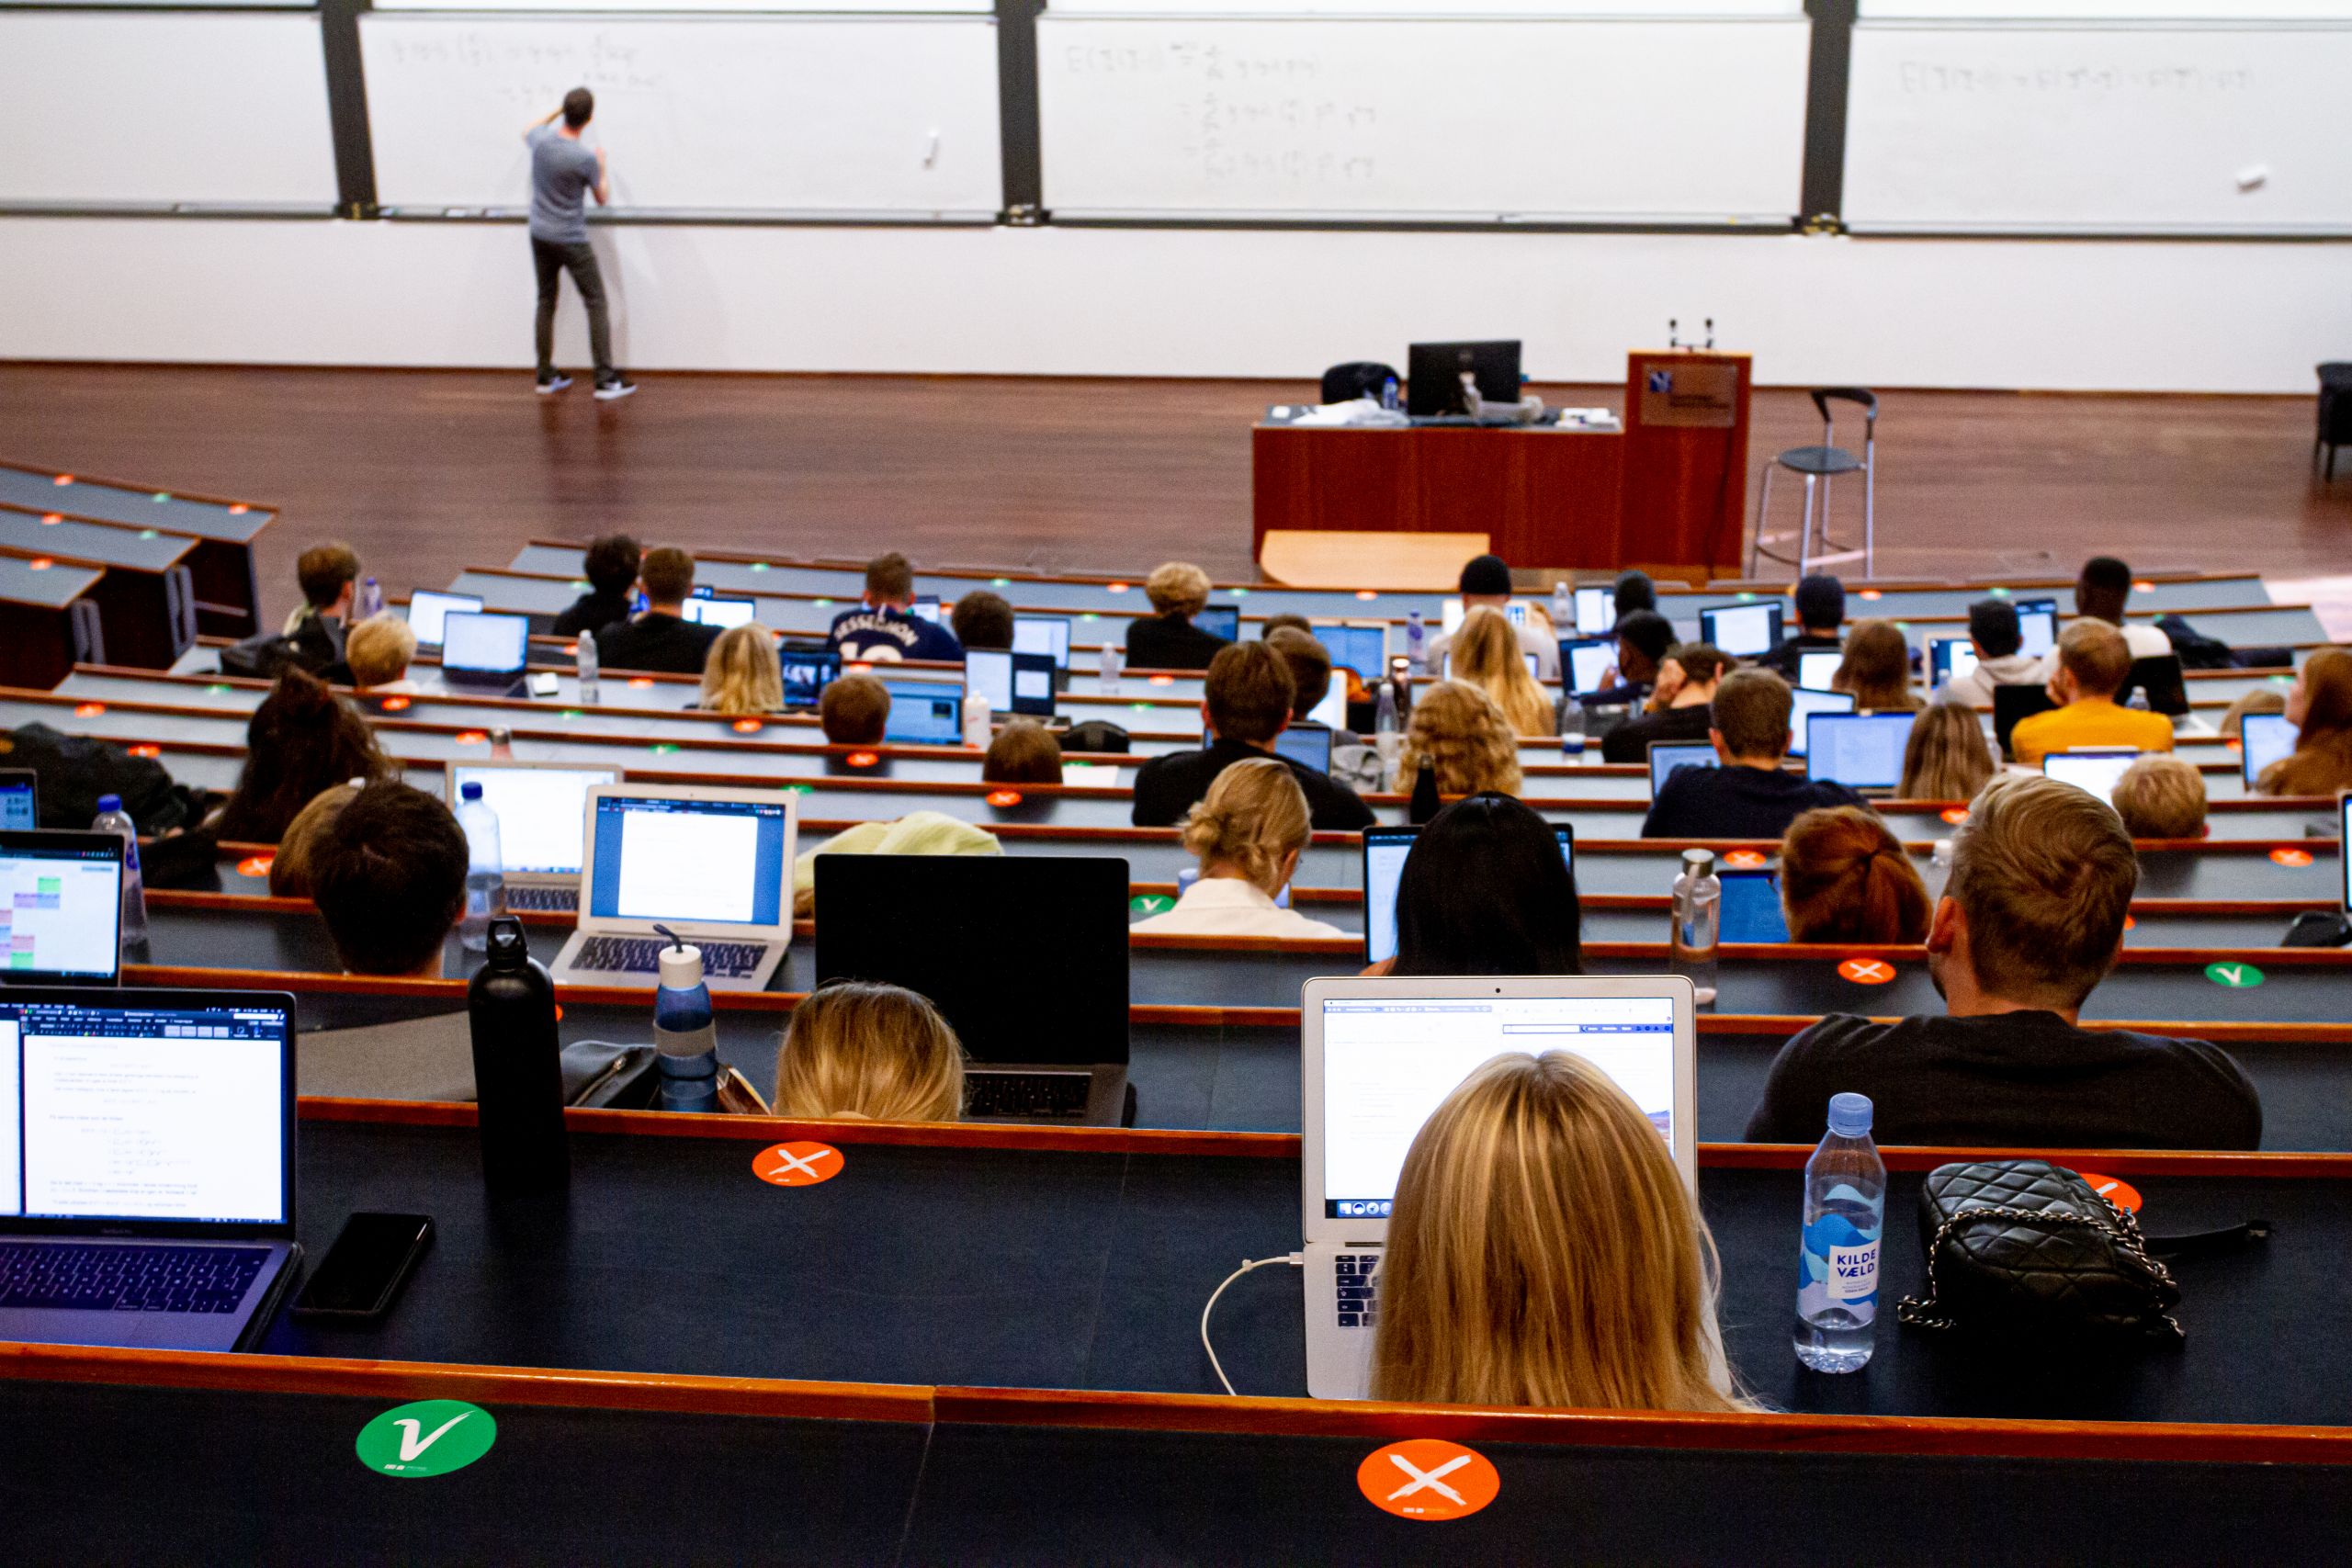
1295	1260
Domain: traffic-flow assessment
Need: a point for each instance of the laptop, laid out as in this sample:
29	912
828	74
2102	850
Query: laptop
1360	645
1861	751
1751	905
1220	620
1025	955
427	610
542	811
61	908
1307	744
1595	611
924	713
1743	631
1384	852
1805	703
1017	683
2011	703
146	1167
2038	624
2095	770
19	799
807	672
926	608
1048	635
2160	677
2264	739
714	611
1817	669
488	651
714	866
1584	661
1666	756
1949	659
1378	1055
1331	713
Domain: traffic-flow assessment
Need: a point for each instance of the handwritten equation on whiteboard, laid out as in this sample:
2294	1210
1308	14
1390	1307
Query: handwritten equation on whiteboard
533	72
1247	115
1933	78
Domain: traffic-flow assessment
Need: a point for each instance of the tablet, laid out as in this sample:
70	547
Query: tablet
1751	907
1595	611
2265	738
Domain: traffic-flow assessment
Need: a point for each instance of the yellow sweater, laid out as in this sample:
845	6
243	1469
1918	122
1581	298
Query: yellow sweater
2089	722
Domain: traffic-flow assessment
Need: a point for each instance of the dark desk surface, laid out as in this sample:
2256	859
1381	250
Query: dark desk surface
200	517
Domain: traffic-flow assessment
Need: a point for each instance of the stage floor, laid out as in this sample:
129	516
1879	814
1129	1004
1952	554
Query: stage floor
427	472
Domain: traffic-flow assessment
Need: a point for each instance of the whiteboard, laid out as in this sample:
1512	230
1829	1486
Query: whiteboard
2100	129
164	108
790	117
1443	119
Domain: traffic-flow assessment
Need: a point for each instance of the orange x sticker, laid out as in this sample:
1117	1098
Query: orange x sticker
2121	1194
1867	971
1004	797
798	1164
2291	857
1744	859
1428	1479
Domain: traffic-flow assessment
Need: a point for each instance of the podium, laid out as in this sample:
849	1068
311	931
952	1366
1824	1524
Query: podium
1667	493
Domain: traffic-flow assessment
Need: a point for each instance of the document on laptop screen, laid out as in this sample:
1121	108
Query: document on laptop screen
542	814
688	865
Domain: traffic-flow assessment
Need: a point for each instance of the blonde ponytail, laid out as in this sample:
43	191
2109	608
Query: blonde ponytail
1254	817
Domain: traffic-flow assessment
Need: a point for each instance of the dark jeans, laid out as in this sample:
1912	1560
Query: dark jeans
552	261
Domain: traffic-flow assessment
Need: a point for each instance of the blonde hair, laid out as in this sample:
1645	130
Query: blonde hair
1948	756
1844	878
1487	655
289	868
1024	751
1877	668
2095	655
1543	1251
1459	731
862	1048
379	648
742	673
1177	587
2044	874
1254	818
2161	797
2262	699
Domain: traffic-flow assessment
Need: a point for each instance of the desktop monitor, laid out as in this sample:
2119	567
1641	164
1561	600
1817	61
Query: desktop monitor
484	646
807	672
924	713
1584	661
1803	704
61	902
1816	669
714	610
1220	620
426	610
19	799
1668	757
1595	611
1743	631
1048	635
1861	751
1949	659
1384	851
1434	372
2093	770
1013	682
2038	624
2264	739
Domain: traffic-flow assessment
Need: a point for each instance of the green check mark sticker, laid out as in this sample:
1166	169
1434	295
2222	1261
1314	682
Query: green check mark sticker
432	1437
2237	976
1150	904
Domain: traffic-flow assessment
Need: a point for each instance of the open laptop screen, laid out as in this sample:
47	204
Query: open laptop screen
2038	624
144	1111
1861	751
1803	704
1385	849
1012	682
1666	756
1048	635
60	908
2094	770
700	863
1743	631
1816	669
924	713
1361	648
1220	620
717	611
1949	659
542	812
1751	905
493	644
1308	745
20	800
1595	611
1584	661
807	672
427	609
1388	1062
2266	738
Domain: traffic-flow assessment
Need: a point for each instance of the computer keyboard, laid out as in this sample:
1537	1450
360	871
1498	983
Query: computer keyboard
1027	1095
643	956
1359	1290
103	1278
542	898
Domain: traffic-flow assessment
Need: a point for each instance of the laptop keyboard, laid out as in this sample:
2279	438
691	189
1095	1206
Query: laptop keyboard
1060	1095
1359	1290
542	899
99	1278
643	956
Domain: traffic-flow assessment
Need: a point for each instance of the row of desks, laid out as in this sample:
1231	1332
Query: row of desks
113	523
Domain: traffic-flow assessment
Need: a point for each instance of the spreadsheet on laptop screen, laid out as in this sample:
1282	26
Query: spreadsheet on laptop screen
61	910
542	813
1390	1062
701	862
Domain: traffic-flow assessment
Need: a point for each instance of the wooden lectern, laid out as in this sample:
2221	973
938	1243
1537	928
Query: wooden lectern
1683	483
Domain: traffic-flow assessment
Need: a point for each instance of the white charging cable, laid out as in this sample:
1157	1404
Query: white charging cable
1295	1260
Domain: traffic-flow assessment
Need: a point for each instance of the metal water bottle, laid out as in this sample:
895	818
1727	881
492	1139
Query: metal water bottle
518	1069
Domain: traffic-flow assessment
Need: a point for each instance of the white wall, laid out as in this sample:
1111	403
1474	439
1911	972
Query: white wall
1066	301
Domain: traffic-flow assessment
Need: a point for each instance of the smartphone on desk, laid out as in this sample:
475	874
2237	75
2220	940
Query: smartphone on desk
365	1269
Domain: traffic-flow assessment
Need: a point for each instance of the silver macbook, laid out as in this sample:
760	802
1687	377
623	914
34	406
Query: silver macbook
712	866
146	1166
542	811
1378	1055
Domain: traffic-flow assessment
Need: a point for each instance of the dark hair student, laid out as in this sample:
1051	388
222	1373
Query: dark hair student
302	740
1485	892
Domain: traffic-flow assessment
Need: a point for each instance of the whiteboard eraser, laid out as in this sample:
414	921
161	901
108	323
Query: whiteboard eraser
2253	178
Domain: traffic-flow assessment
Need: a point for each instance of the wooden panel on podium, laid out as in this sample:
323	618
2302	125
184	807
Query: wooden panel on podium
1683	505
1397	563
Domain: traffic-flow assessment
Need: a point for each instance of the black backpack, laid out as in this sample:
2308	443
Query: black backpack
75	770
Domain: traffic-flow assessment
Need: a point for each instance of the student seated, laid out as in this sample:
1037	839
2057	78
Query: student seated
289	868
2261	699
1246	835
1486	584
2031	922
2100	594
884	628
2320	706
2161	797
389	876
1844	878
376	653
1461	738
1246	702
983	619
1023	752
611	567
1634	591
1949	756
1687	681
1487	892
1877	668
878	1053
1310	673
1750	795
1282	618
329	574
1486	654
1820	606
916	833
1993	633
1167	638
2093	661
1543	1251
300	741
742	673
853	710
660	639
1644	639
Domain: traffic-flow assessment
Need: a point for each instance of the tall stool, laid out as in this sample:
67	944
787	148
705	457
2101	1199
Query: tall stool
1817	466
2335	413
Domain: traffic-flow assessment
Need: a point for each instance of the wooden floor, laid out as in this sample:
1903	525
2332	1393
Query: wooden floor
429	471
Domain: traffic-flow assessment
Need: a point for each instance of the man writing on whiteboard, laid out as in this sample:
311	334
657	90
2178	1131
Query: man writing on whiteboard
563	173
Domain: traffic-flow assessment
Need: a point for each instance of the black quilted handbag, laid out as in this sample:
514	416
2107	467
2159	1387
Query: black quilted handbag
2023	1249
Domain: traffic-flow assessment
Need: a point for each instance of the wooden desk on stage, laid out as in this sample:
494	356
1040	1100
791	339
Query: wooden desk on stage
1669	493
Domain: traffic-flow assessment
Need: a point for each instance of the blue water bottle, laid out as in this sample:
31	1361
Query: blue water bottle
1845	1215
1416	636
684	1032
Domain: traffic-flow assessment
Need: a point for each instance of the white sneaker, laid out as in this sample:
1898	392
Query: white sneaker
616	387
555	383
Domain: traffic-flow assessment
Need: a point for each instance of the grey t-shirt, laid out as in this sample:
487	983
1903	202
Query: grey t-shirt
562	173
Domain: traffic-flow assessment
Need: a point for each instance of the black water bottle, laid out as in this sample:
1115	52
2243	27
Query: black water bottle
518	1070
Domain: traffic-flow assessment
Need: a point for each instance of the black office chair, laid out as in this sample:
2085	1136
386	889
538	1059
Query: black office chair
1817	466
1358	379
2335	413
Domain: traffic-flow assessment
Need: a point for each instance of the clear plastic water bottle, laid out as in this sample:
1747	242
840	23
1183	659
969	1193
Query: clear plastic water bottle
1845	1215
485	868
1698	922
587	668
978	718
1388	394
1571	726
1114	658
1416	643
1563	609
370	601
685	1031
1387	739
113	819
